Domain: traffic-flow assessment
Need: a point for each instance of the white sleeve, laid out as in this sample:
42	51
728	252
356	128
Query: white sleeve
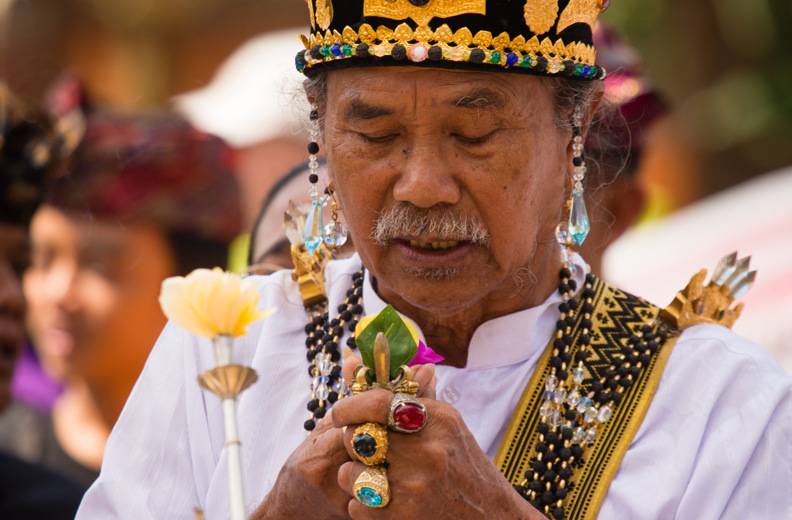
716	442
163	450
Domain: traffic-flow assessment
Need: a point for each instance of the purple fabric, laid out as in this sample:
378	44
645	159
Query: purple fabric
31	385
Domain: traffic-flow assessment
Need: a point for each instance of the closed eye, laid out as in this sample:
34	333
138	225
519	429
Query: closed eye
378	139
474	140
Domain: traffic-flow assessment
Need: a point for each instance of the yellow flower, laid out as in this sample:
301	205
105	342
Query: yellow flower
211	302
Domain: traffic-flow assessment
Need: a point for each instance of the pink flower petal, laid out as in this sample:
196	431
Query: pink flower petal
425	355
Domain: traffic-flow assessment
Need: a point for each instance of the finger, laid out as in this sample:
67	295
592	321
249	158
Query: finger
424	375
327	442
348	473
348	370
370	406
322	425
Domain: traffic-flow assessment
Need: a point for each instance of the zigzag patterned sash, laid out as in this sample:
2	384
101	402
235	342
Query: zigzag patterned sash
617	316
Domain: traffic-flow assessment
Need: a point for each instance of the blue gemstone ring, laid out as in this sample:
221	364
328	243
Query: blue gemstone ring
371	487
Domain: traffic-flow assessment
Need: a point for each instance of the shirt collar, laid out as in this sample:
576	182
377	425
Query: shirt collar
502	341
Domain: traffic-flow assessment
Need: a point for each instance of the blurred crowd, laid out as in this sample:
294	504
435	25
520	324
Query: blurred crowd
98	207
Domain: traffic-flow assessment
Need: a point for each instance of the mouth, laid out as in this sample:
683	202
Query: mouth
430	252
58	342
449	244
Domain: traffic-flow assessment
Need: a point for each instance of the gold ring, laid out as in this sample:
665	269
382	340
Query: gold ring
370	443
371	487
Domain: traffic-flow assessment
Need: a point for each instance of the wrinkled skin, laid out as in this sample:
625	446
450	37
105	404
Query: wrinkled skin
485	146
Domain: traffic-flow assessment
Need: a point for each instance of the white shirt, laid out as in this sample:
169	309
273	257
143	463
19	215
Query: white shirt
716	441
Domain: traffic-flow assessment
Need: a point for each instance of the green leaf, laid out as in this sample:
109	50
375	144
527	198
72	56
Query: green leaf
402	345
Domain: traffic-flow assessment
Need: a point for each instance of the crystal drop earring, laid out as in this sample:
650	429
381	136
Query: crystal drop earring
578	226
335	233
313	234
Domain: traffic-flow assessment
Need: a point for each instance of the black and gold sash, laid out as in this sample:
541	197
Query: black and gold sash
617	316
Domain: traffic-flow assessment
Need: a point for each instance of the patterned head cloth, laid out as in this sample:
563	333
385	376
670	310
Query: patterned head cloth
29	150
152	169
547	37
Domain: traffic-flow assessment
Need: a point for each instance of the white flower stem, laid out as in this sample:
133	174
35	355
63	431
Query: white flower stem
223	344
234	457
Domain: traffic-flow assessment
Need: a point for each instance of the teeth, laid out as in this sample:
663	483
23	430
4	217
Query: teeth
434	245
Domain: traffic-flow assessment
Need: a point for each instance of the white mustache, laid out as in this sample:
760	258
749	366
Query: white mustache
408	220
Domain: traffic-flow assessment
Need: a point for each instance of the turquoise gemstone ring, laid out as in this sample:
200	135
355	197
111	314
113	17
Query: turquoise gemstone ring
371	487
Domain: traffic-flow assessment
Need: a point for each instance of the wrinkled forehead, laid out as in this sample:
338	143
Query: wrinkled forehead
478	90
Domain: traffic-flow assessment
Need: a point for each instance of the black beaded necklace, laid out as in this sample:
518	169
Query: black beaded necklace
571	413
323	350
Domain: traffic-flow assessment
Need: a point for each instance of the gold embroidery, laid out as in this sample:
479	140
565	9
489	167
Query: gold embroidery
402	9
324	13
403	33
540	15
483	39
579	11
462	39
349	35
311	13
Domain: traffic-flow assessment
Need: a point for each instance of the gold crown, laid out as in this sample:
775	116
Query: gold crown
533	36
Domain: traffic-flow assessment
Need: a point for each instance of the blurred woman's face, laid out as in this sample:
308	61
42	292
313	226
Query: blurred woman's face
92	292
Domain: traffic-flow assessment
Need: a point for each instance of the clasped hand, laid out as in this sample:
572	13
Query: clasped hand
438	472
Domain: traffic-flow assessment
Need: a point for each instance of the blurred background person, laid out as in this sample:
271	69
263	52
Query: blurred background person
142	198
270	248
270	245
29	150
622	130
253	104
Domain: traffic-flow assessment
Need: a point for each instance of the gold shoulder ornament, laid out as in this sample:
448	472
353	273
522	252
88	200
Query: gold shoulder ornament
711	303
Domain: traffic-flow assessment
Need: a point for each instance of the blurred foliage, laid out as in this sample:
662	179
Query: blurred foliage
726	67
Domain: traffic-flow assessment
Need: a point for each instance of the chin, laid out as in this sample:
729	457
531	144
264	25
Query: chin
434	274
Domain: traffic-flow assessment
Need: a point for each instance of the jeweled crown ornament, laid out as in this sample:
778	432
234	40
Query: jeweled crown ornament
711	304
547	37
219	306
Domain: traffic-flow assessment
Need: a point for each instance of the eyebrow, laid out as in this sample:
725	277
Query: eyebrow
359	110
482	98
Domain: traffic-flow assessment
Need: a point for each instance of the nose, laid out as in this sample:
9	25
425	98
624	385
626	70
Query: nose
59	284
12	301
426	179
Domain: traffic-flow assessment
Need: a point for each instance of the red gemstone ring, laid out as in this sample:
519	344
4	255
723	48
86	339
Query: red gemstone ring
406	414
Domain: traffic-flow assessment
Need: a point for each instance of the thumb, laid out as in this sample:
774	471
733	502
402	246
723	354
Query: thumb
425	376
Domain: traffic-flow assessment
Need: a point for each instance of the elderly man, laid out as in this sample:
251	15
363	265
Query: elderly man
454	139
